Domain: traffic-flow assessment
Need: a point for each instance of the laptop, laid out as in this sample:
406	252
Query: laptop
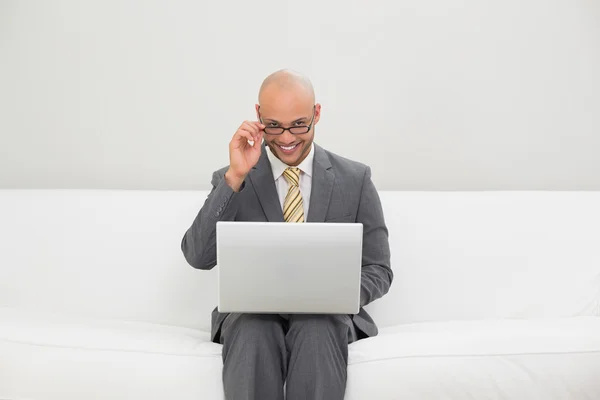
280	267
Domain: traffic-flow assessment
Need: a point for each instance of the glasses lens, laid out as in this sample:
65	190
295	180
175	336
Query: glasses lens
274	131
299	129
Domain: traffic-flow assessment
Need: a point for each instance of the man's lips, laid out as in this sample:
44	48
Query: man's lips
288	149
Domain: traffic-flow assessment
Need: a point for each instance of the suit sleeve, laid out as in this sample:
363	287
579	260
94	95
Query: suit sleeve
199	242
376	275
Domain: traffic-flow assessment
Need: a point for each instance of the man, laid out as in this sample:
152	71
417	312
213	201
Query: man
294	180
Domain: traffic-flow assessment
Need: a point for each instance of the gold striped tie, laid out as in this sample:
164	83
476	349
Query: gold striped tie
293	209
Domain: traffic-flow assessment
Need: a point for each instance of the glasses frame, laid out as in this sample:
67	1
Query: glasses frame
309	126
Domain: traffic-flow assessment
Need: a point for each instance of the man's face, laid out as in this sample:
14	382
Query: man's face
288	109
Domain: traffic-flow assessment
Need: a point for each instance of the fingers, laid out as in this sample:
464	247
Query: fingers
257	124
249	131
253	127
241	138
259	138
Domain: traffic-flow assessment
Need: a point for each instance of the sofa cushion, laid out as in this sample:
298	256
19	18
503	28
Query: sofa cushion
491	255
94	359
74	358
493	359
42	329
481	338
103	254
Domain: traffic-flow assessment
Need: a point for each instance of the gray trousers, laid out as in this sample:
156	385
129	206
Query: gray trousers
309	353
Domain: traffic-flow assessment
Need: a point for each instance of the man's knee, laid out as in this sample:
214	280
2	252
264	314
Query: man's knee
318	339
251	329
319	324
254	356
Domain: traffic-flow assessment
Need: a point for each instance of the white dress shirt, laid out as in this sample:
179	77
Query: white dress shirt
306	170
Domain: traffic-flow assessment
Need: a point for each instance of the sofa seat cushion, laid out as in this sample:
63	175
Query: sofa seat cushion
65	331
496	359
77	358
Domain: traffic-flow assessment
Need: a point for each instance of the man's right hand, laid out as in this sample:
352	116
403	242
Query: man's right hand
242	155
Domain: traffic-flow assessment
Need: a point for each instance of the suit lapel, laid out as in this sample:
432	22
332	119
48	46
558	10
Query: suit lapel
322	186
264	186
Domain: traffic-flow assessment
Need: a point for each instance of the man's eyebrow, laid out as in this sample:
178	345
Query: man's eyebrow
294	121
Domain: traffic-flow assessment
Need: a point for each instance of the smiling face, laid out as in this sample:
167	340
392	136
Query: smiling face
288	106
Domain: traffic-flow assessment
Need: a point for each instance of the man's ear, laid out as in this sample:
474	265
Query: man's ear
317	112
257	108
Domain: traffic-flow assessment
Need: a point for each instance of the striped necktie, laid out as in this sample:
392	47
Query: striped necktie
293	209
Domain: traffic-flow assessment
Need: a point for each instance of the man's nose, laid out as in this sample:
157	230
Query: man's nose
288	137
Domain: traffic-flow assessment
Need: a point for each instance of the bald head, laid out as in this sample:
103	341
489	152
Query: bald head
287	100
286	81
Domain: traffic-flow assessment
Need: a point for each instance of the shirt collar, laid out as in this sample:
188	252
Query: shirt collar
279	166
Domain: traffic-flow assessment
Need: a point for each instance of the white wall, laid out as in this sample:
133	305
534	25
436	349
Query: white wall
433	94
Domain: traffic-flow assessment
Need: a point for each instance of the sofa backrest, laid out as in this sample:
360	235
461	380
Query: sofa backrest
481	255
456	255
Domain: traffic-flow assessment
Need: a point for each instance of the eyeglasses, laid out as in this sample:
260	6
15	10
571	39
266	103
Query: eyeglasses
294	130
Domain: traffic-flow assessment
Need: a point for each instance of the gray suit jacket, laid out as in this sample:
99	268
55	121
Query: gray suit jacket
342	191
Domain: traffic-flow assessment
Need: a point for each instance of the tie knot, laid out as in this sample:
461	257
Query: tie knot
292	175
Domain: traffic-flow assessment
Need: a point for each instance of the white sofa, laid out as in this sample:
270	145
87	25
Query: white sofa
496	296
